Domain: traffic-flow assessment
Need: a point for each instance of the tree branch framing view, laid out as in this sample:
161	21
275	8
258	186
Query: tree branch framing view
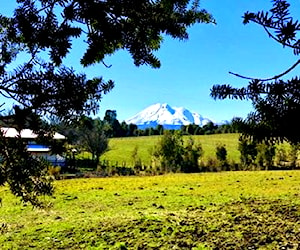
44	31
161	189
275	100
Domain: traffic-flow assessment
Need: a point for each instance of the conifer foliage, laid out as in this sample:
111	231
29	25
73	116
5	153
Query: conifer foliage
43	84
276	101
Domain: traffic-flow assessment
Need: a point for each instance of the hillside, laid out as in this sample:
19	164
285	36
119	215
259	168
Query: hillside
121	148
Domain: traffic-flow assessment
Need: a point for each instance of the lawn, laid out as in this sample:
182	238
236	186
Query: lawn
227	210
121	149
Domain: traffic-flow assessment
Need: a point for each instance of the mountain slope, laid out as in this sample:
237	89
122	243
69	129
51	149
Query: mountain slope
169	117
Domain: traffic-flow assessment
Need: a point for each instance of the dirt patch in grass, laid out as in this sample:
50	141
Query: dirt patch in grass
250	224
247	224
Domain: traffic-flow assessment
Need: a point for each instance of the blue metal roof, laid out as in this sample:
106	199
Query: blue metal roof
37	148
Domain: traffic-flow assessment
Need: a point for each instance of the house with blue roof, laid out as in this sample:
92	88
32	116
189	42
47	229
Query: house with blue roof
34	148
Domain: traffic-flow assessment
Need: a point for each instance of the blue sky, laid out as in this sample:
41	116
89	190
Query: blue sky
190	68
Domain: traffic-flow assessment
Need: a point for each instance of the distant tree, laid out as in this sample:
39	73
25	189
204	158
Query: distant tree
93	137
169	151
117	129
110	116
145	132
132	130
68	130
152	131
276	101
124	129
194	129
160	129
191	129
87	133
209	128
140	132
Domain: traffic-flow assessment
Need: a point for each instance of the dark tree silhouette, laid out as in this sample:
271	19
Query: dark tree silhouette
276	101
110	118
106	26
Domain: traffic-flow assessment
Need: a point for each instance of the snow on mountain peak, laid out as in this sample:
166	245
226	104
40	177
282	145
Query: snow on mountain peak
167	116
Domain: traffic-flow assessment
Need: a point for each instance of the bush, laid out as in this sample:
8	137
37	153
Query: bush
248	152
221	154
211	165
192	154
54	171
265	155
171	155
293	155
168	154
124	171
85	164
281	157
137	162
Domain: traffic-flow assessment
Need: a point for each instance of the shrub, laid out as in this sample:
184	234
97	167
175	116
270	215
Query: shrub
221	154
85	164
281	157
248	152
171	155
54	171
211	165
265	155
293	155
124	171
137	163
191	154
168	154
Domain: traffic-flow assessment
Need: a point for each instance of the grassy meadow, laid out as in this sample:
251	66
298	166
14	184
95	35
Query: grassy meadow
121	149
227	210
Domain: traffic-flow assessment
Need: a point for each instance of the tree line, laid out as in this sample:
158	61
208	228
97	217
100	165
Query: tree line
176	153
190	129
112	128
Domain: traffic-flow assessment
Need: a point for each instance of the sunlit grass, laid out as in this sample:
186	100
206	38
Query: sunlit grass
83	209
121	149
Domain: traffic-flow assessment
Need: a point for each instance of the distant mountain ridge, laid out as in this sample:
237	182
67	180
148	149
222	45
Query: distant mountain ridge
167	116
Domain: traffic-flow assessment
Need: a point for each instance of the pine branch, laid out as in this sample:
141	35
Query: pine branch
268	79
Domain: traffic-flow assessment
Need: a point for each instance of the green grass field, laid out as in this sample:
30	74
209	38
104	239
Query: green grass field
227	210
121	148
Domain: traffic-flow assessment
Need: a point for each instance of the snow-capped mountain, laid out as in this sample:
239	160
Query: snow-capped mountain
169	117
